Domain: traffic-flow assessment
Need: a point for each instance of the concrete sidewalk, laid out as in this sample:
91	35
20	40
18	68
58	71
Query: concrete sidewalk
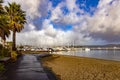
26	68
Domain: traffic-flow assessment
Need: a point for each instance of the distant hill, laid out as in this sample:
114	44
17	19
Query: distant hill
107	45
113	45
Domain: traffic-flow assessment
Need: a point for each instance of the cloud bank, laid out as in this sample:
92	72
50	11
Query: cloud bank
46	23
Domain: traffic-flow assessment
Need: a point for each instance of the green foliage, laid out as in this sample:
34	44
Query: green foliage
13	18
17	19
14	55
21	47
4	26
2	68
4	52
1	7
1	47
16	16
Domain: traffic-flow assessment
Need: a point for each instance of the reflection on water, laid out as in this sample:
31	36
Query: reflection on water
101	54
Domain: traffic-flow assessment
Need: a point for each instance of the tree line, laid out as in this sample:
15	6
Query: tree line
12	19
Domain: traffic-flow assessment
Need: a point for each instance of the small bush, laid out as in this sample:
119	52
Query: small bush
14	55
4	52
1	50
1	47
2	68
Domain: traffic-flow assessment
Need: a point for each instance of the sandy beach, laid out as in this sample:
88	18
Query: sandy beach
80	68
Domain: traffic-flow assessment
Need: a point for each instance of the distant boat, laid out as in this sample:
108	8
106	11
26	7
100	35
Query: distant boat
87	49
68	49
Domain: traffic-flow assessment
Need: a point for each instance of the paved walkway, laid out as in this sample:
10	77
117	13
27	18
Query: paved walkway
27	68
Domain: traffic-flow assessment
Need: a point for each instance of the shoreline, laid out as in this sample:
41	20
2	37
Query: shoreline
87	57
82	68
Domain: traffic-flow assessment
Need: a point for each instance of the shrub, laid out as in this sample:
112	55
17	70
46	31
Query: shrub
2	67
1	46
1	50
4	52
14	55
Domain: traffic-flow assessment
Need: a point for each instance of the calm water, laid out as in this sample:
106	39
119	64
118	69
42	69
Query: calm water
100	54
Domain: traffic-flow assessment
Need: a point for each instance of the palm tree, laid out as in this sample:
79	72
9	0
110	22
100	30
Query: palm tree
17	20
4	29
1	7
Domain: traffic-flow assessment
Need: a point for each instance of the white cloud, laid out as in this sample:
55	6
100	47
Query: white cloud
104	24
103	3
71	17
32	7
48	29
57	13
41	38
71	4
101	27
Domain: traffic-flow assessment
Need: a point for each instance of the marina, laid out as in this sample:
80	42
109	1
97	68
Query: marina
99	54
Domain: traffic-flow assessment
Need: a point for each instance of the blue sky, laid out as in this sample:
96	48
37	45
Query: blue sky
56	2
62	22
88	4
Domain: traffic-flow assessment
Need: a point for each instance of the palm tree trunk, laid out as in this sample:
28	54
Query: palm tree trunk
14	40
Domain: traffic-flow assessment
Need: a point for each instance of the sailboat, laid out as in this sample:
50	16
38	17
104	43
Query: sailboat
87	49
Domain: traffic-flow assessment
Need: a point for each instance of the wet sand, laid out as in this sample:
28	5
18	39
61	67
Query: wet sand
80	68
